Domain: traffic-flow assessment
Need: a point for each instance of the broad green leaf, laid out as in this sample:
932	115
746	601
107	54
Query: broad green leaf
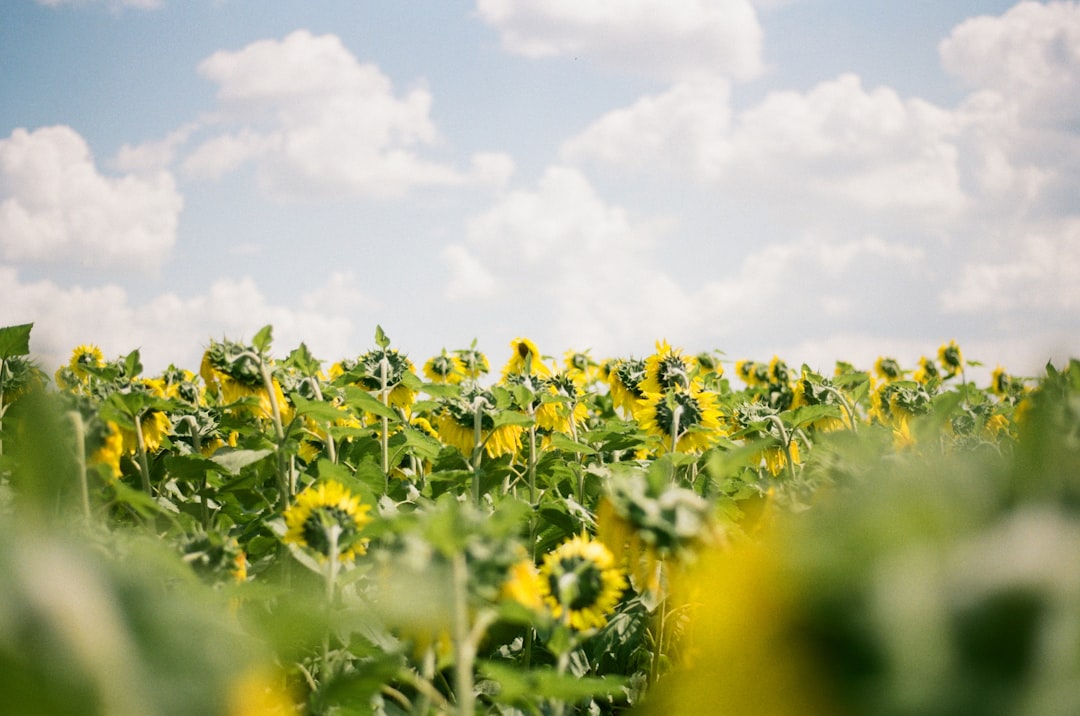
806	414
511	417
516	685
15	340
133	364
316	409
381	339
234	461
368	403
562	442
263	338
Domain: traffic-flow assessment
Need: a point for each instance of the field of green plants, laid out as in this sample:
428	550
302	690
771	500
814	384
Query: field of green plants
273	533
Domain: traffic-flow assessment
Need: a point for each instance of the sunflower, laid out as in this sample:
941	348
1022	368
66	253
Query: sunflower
523	586
580	583
83	357
318	512
456	425
377	370
752	373
667	369
232	372
926	371
474	362
526	359
951	359
624	381
689	417
444	368
581	368
888	369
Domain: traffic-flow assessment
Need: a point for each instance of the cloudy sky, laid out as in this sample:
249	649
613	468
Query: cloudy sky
818	179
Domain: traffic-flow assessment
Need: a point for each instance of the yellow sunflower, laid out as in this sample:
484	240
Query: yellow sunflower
624	381
445	369
667	369
580	583
689	417
85	356
926	371
526	359
951	359
318	512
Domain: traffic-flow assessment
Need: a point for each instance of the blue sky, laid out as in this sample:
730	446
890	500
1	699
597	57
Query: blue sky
818	180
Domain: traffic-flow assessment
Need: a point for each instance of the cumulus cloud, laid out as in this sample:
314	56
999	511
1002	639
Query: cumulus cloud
56	207
315	121
1042	274
1030	54
600	276
863	149
666	39
170	328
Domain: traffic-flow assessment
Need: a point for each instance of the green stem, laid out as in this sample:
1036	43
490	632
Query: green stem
846	406
785	441
80	459
384	398
332	564
465	648
331	449
478	445
140	448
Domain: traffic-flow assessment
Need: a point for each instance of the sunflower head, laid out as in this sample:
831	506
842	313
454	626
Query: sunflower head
951	359
888	368
689	417
927	371
474	363
580	583
324	515
667	369
526	358
444	368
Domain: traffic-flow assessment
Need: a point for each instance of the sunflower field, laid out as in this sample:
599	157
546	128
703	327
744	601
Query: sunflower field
272	533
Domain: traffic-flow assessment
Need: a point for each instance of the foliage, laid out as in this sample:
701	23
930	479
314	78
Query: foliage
590	536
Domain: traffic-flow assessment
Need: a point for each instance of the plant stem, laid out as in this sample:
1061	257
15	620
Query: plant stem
384	398
785	441
464	646
80	459
140	447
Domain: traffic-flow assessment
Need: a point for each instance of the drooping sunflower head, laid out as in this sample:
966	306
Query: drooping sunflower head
624	381
927	371
474	362
378	370
580	366
580	583
324	515
444	368
951	359
888	368
667	369
526	358
752	373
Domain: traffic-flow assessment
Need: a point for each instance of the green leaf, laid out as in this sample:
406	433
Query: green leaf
516	686
15	340
562	442
132	364
368	403
234	461
510	417
316	409
381	338
262	339
806	414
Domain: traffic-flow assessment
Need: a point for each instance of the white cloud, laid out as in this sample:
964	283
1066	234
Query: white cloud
169	328
1030	54
1042	274
56	207
152	156
859	149
668	39
318	122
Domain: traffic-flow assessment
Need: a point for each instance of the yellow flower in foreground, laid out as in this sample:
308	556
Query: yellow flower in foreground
581	583
319	512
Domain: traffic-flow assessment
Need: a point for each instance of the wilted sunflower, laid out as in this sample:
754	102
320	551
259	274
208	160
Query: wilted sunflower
581	583
689	417
318	512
